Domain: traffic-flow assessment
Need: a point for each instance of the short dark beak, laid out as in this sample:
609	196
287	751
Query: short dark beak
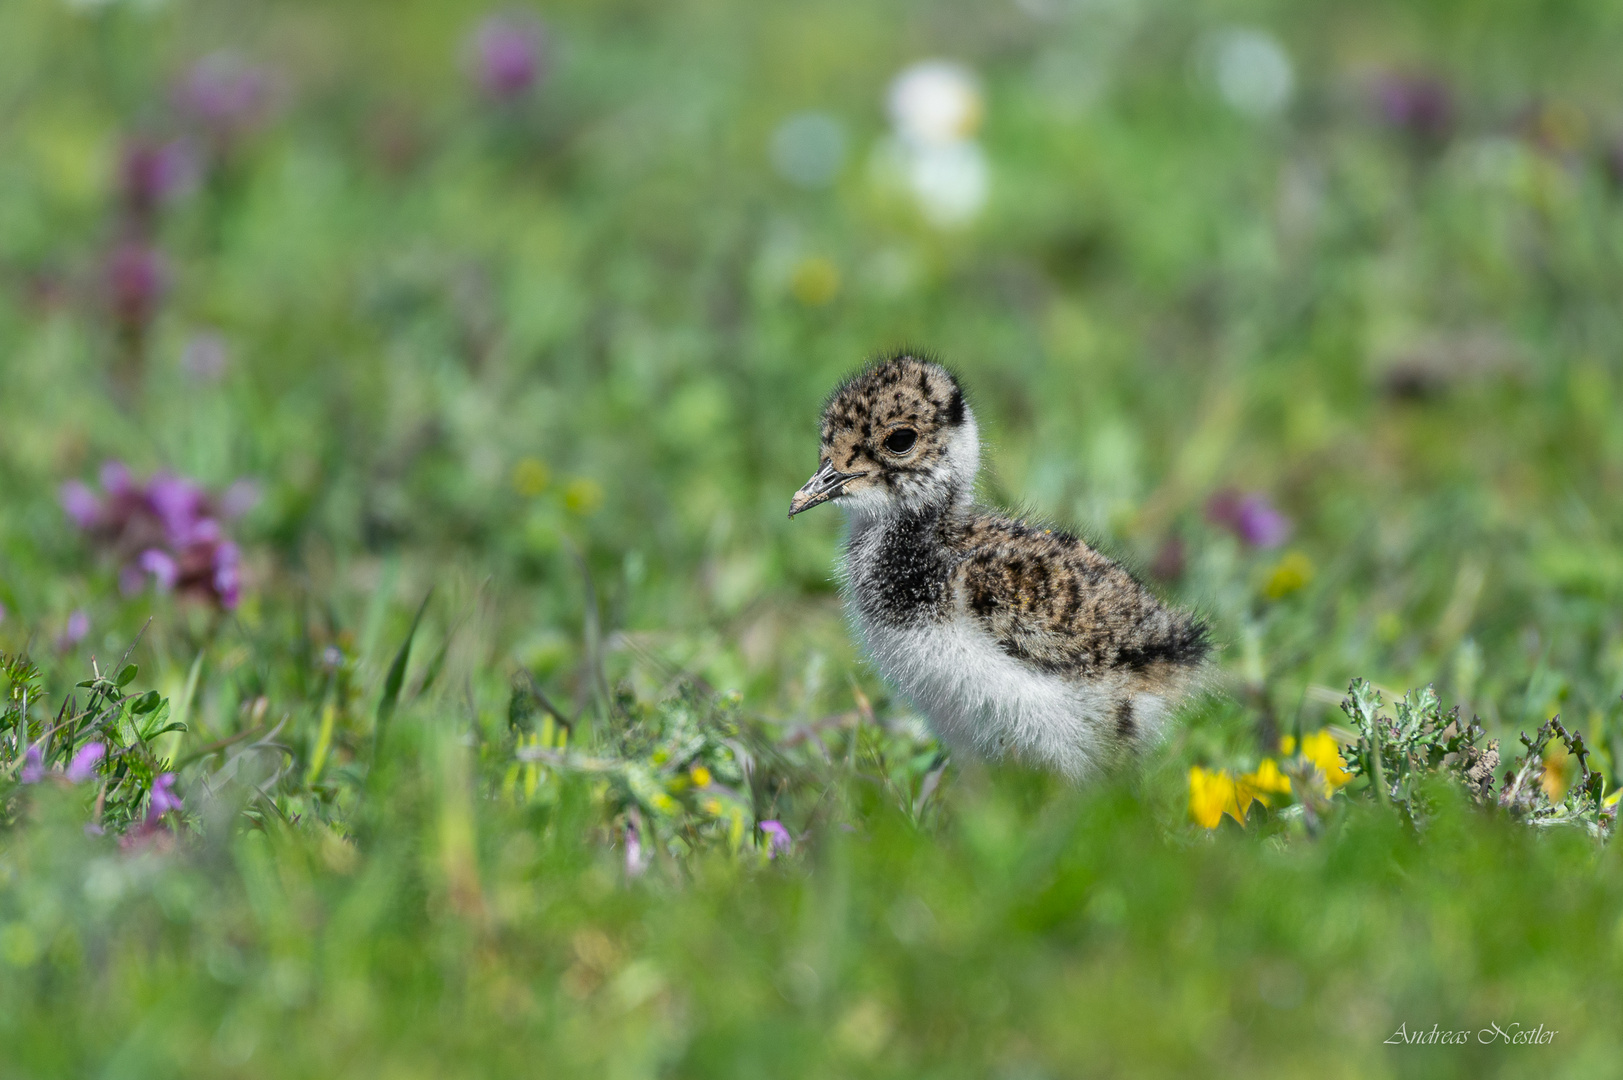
826	483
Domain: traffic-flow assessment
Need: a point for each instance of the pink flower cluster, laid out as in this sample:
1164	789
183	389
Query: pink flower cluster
80	769
1249	516
166	530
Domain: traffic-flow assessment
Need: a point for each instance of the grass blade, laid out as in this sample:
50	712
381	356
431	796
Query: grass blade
393	681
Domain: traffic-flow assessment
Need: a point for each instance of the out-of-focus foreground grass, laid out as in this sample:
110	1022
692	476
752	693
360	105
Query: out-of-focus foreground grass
1310	310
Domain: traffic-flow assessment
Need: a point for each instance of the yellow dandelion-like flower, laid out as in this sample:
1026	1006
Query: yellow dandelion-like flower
1213	793
583	496
1266	780
814	281
1324	752
1291	573
531	477
701	776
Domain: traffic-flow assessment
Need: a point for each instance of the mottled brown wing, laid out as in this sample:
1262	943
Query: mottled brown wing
1052	601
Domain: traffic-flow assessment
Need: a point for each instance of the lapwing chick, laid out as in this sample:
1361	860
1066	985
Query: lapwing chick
1015	640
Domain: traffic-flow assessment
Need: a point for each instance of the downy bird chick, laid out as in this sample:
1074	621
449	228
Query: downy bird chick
1016	641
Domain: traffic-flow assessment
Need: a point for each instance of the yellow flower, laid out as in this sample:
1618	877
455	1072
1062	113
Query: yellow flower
583	496
815	281
1266	780
1290	574
1213	793
530	477
701	776
1322	750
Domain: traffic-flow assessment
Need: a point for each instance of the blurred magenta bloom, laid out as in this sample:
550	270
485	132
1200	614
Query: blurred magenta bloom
153	172
778	838
83	765
164	798
78	628
224	94
137	277
507	53
166	530
33	766
1418	105
1251	517
80	504
636	860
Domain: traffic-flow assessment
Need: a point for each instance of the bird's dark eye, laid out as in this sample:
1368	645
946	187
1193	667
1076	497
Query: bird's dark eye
900	442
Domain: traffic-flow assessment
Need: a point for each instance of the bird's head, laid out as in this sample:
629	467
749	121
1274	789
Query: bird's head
895	436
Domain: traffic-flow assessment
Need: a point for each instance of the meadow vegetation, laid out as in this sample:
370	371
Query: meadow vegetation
408	667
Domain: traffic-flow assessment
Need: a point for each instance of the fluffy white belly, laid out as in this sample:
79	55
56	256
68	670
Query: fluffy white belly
983	701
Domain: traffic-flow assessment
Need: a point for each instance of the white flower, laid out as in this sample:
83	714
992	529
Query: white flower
935	103
949	181
1252	71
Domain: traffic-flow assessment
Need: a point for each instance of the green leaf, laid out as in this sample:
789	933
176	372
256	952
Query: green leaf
126	676
393	681
145	703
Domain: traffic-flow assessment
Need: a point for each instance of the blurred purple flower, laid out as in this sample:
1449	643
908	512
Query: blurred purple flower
507	55
227	576
164	798
116	479
78	628
1418	105
80	503
1251	517
777	837
179	503
83	765
636	861
137	277
166	530
224	94
151	173
204	357
33	766
161	565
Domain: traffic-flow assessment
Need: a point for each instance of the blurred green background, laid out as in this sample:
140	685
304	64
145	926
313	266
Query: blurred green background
536	307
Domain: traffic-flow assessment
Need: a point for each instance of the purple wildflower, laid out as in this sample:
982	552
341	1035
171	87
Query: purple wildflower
83	765
507	56
137	277
164	798
161	565
1420	106
778	838
1251	517
151	173
116	479
78	628
225	95
166	530
636	861
227	576
33	766
80	504
179	503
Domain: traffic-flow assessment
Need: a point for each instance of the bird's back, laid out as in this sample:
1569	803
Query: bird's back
1018	640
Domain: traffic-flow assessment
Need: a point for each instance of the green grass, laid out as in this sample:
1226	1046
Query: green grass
526	390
